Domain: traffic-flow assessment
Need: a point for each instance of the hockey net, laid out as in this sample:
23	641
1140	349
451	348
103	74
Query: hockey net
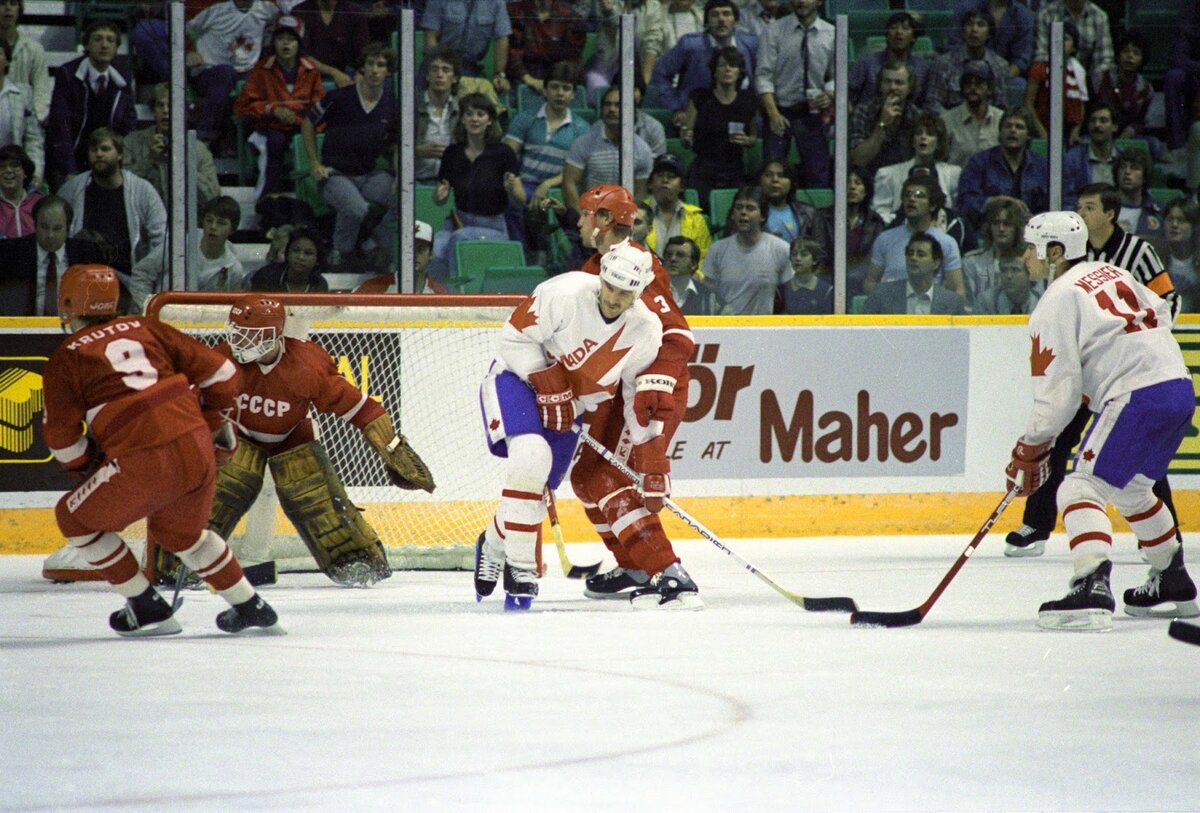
423	358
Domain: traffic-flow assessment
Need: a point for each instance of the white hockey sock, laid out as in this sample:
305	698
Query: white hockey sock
521	509
1155	531
106	549
1090	535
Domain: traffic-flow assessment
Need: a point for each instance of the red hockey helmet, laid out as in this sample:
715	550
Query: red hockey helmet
616	200
255	327
88	290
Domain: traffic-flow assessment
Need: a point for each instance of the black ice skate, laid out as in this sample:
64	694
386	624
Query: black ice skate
1088	607
1169	593
520	587
145	615
614	583
251	613
1025	541
487	569
673	589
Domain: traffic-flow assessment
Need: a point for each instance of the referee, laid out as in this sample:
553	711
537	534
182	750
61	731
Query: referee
1099	204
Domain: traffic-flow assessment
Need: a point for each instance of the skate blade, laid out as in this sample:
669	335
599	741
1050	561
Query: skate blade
684	601
259	632
517	603
1018	552
168	626
1076	620
604	596
1182	609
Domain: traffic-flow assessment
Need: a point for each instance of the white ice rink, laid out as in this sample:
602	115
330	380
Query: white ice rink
410	696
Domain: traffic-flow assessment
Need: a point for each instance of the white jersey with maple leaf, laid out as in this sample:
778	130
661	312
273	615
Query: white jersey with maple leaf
561	321
1096	333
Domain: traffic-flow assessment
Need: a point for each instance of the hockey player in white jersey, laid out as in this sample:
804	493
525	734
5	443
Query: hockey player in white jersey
1099	334
564	350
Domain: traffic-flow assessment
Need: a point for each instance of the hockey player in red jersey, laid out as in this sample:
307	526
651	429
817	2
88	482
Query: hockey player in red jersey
1101	337
627	523
155	403
283	380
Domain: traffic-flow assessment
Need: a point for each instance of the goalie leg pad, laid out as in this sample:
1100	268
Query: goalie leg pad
333	529
238	483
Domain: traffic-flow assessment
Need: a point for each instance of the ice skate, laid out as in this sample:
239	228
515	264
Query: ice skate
145	615
1025	541
1088	607
253	612
1169	593
673	589
487	568
359	570
520	587
615	583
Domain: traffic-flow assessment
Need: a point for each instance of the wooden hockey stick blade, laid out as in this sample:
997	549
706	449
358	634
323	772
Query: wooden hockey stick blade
261	573
571	571
839	604
1182	631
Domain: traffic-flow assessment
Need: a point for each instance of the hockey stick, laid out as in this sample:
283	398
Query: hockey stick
1182	631
907	618
838	604
569	570
259	574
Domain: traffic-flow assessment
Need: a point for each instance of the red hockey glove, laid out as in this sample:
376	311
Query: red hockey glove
87	463
1029	467
554	398
650	460
225	443
653	400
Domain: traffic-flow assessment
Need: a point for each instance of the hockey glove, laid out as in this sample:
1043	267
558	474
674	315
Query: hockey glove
404	467
1029	467
87	463
225	443
554	398
650	460
653	400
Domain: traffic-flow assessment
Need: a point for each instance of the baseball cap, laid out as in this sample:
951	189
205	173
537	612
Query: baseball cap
668	163
423	231
978	69
290	24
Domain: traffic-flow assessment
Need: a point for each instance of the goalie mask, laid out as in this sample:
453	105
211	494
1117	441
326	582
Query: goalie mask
88	290
255	327
627	267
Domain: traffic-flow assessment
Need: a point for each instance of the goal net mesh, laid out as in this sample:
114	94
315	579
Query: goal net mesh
423	359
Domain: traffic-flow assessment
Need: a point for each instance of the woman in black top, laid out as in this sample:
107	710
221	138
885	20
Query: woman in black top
484	173
722	121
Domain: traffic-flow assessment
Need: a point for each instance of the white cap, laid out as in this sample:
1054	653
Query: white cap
1065	228
423	231
627	267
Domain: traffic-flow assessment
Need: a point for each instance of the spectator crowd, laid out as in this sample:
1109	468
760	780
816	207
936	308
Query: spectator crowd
518	112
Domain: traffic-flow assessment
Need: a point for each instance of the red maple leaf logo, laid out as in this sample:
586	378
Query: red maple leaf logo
1089	455
585	379
1039	359
494	424
524	316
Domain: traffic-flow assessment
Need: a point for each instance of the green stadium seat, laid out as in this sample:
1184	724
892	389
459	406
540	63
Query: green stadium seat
303	185
720	201
473	258
512	279
425	209
675	146
819	197
1163	195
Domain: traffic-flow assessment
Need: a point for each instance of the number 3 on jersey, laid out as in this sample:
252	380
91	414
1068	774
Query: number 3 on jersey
1135	318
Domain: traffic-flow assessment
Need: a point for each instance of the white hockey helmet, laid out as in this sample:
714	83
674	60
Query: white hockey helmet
627	267
1065	228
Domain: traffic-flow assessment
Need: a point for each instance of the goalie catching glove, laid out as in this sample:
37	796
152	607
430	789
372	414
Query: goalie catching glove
404	466
650	460
654	399
1029	467
554	398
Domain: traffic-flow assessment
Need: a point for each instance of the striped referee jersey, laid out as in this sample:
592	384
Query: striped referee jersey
1137	256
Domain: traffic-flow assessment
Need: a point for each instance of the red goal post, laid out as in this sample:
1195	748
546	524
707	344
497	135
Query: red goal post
423	358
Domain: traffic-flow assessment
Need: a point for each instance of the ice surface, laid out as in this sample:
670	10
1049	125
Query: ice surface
411	696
